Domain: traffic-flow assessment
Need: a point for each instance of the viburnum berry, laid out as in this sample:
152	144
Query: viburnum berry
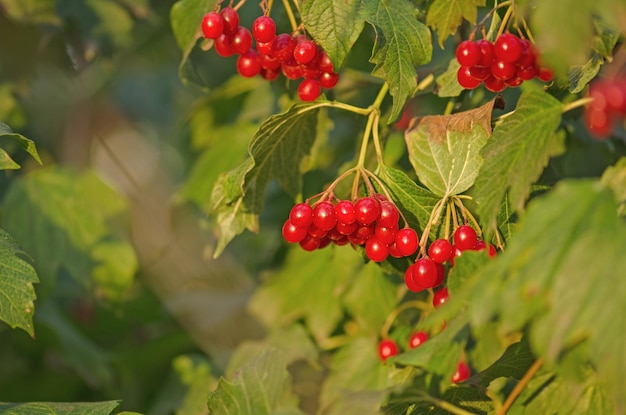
425	272
367	210
440	250
441	275
241	40
494	84
465	78
468	53
264	48
465	237
305	51
376	250
417	339
407	241
212	25
486	53
223	46
346	229
545	74
365	231
482	245
264	29
440	297
292	233
502	70
462	372
301	215
389	214
310	243
456	252
325	64
387	348
344	211
231	20
316	232
507	48
410	282
249	64
324	216
386	234
328	80
291	69
309	90
282	46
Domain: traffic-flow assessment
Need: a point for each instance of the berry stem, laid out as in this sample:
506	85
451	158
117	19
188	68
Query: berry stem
517	390
578	103
505	19
290	15
467	214
238	5
435	215
447	222
443	404
488	15
420	305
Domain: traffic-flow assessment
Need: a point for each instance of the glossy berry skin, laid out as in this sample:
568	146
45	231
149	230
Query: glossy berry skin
462	373
367	210
301	215
417	339
324	216
388	215
264	29
264	48
212	25
407	241
465	78
456	252
242	40
249	64
440	251
494	84
329	80
309	90
507	48
291	69
482	245
425	273
282	47
387	348
310	243
441	275
503	70
468	53
410	282
386	234
344	211
545	74
223	46
486	53
346	228
376	250
325	64
231	20
440	297
305	51
292	233
465	237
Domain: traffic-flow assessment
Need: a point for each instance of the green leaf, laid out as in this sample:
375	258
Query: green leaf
25	143
6	162
63	219
445	149
415	202
261	387
185	19
517	153
31	11
446	16
514	363
447	83
467	397
59	408
194	372
278	151
402	44
615	178
335	25
16	285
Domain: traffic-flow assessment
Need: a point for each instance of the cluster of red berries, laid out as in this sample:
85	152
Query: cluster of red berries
507	62
608	105
428	272
371	221
295	56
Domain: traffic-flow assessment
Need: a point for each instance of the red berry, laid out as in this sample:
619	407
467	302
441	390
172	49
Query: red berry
329	80
305	51
231	20
465	79
478	72
417	339
456	252
440	297
269	74
486	53
212	25
309	90
407	241
264	29
376	250
311	70
316	232
507	48
514	82
324	242
440	251
545	74
241	40
598	122
393	250
494	84
386	234
482	245
282	47
526	72
425	273
301	215
249	64
291	69
365	231
310	243
346	228
410	282
269	63
528	56
367	210
503	70
324	216
344	210
441	275
292	233
387	348
264	48
468	53
325	64
223	46
465	237
388	215
462	373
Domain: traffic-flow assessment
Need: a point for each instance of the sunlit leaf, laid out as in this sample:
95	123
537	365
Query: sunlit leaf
445	149
27	144
446	16
16	285
31	11
447	83
615	178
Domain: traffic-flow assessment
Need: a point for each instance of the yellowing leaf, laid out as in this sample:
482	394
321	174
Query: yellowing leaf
445	16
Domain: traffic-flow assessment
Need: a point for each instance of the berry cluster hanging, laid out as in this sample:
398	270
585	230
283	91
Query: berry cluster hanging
608	105
293	55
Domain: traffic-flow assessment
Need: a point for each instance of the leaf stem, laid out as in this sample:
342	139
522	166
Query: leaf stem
420	305
578	103
517	390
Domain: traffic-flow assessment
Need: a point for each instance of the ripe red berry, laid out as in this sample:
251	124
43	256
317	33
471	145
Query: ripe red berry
598	122
367	210
231	20
325	64
264	48
479	72
309	90
212	25
440	297
344	210
269	74
329	80
465	237
494	84
482	245
365	231
545	74
386	234
440	251
462	372
486	53
441	275
468	53
502	70
223	46
324	216
409	281
528	56
269	63
305	51
282	47
407	241
387	348
241	40
527	72
292	233
249	64
456	252
376	250
507	48
316	232
291	69
310	243
301	215
388	215
346	229
465	78
425	273
417	339
264	29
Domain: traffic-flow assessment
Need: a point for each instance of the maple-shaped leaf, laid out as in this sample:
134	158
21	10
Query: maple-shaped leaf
445	149
402	44
445	16
16	285
277	151
335	25
517	153
261	387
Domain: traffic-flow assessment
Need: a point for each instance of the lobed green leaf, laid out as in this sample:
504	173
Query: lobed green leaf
446	16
